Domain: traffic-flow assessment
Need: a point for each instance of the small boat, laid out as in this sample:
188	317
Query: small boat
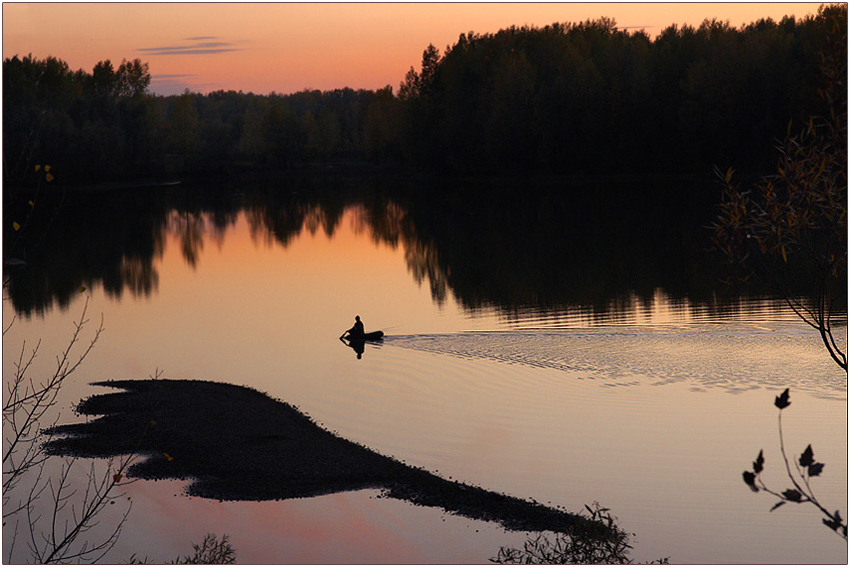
373	336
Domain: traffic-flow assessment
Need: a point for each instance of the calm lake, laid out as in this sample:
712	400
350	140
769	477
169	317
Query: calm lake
568	351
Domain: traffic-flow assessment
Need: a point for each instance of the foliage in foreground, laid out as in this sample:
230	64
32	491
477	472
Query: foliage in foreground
211	551
56	520
575	548
806	468
795	220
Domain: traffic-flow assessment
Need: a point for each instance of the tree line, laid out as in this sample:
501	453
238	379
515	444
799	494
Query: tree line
563	98
590	97
106	126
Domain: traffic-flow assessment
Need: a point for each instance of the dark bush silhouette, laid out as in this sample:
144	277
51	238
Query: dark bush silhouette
793	222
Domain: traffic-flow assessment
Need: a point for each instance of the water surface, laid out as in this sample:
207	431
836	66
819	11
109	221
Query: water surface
649	400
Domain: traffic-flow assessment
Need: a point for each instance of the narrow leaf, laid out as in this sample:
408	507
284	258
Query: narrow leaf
777	505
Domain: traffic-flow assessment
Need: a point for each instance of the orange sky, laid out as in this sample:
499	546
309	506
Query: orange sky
287	47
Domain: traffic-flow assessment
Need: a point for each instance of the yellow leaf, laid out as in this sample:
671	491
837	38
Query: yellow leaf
32	204
16	226
49	177
46	168
116	477
784	257
168	457
38	168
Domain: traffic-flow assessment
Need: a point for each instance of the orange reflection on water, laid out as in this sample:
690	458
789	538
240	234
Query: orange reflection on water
252	294
620	414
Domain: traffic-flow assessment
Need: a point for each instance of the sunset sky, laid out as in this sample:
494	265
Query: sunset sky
288	47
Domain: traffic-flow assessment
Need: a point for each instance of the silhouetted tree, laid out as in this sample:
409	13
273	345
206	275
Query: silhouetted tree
795	220
88	126
382	127
132	78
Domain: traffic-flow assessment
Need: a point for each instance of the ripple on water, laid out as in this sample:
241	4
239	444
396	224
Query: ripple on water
734	357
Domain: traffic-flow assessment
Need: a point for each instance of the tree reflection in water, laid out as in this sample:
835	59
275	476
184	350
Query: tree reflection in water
513	245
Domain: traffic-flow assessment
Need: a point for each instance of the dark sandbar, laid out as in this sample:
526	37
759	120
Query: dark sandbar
235	443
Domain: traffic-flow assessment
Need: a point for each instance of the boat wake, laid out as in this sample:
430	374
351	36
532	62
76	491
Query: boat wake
735	358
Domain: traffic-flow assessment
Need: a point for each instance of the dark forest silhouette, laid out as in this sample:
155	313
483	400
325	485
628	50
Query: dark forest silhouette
564	98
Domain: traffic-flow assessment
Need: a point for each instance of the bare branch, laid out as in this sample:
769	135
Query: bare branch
57	530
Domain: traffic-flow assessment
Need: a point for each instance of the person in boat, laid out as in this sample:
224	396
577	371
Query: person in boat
357	331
